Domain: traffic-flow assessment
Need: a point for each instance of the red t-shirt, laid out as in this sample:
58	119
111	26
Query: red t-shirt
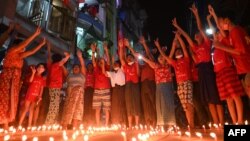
194	72
221	59
101	81
162	74
90	80
203	52
147	73
35	86
55	75
131	74
182	69
237	40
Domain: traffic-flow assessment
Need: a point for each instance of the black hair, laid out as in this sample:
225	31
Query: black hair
17	41
118	62
231	15
56	58
129	54
45	68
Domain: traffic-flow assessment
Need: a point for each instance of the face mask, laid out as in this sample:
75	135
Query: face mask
130	63
178	56
116	69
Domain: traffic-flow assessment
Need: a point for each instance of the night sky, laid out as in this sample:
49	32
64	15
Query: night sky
160	15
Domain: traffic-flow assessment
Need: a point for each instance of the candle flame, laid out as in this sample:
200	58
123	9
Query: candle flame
24	138
35	139
85	137
133	139
213	135
6	137
51	139
188	133
246	122
198	134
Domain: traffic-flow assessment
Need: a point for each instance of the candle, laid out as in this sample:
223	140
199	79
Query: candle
204	128
85	137
6	137
133	139
246	122
198	134
188	133
124	136
179	133
24	138
35	139
51	139
213	135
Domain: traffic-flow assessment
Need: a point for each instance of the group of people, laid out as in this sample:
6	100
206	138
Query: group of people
207	72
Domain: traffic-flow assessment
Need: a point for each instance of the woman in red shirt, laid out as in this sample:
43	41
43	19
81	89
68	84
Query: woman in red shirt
182	69
165	106
10	76
228	83
132	92
34	93
202	51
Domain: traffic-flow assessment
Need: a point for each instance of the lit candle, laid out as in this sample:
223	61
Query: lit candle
124	136
6	137
133	139
35	139
85	137
204	128
51	139
213	135
210	125
246	122
198	134
188	133
24	138
179	133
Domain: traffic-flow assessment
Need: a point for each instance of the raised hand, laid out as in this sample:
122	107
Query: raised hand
120	43
33	69
142	40
174	23
126	42
105	46
211	10
156	42
43	42
66	54
93	47
194	9
79	53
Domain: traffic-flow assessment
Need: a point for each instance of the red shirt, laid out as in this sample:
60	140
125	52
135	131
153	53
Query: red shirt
101	81
194	72
131	74
221	59
182	69
162	74
35	86
237	40
55	75
203	52
90	80
147	73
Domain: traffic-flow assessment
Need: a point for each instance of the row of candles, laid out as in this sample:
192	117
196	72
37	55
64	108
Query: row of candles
143	136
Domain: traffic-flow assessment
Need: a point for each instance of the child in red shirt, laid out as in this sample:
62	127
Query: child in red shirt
34	93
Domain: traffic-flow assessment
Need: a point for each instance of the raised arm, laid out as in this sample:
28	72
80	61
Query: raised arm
106	51
211	11
171	55
183	46
121	52
127	44
148	61
198	20
34	50
157	44
65	59
145	46
24	43
186	36
82	62
33	70
5	35
93	48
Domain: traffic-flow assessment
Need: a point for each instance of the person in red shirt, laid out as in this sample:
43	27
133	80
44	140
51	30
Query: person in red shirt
202	50
102	94
34	93
182	69
56	72
148	87
229	85
238	48
89	113
132	91
165	106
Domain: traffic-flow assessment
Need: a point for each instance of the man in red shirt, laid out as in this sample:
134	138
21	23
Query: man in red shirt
238	48
102	94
